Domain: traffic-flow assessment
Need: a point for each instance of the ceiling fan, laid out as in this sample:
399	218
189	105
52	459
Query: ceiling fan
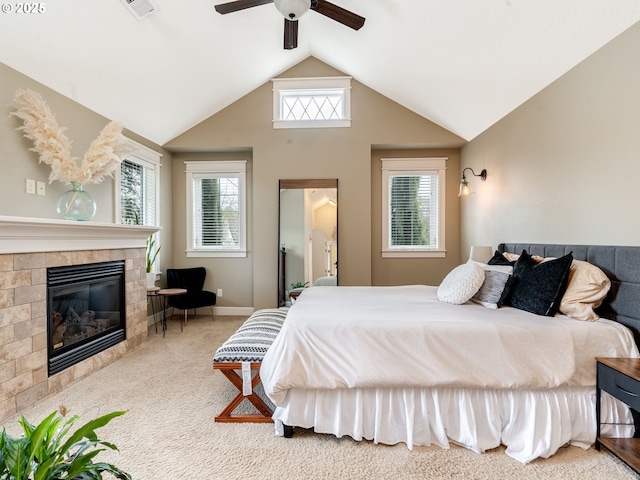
293	10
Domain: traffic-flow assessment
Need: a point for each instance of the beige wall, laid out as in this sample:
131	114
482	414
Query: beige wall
411	271
233	275
342	153
563	168
83	126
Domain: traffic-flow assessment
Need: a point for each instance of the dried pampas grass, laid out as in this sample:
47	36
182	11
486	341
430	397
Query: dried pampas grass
40	126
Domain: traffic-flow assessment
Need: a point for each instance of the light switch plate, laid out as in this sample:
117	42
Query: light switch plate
31	186
40	188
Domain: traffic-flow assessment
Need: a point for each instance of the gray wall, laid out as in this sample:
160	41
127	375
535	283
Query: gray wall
563	167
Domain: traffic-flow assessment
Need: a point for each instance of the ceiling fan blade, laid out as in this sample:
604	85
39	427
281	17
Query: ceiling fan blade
338	14
290	34
230	7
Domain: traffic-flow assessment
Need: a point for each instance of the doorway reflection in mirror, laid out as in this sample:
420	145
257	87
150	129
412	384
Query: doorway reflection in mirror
308	253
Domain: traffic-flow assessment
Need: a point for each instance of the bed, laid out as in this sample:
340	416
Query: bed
369	363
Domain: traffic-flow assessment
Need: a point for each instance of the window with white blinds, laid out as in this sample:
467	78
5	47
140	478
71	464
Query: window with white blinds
413	207
137	183
137	189
137	193
216	208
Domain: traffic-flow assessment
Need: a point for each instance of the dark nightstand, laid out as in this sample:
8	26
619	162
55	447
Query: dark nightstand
620	377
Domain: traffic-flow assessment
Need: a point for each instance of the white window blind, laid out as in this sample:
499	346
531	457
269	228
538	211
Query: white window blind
216	208
216	211
137	194
413	207
137	186
137	190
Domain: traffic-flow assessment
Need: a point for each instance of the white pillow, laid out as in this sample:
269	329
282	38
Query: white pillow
461	283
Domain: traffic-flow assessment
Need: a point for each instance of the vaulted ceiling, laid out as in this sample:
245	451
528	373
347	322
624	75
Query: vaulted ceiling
463	64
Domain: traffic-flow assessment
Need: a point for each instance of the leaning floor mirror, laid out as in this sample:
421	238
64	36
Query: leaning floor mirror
308	235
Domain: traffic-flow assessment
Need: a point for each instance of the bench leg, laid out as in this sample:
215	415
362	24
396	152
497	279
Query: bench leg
288	431
227	414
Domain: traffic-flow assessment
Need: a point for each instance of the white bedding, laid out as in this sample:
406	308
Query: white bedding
530	424
364	337
393	364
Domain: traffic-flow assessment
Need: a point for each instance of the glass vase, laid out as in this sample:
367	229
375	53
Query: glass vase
76	204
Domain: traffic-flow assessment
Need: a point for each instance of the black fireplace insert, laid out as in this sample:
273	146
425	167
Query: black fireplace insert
85	311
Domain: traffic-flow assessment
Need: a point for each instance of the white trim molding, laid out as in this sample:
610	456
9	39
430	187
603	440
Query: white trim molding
34	235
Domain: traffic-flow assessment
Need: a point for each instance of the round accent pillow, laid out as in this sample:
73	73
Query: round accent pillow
462	283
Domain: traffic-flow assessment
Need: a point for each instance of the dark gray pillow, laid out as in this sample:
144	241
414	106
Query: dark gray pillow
538	287
490	293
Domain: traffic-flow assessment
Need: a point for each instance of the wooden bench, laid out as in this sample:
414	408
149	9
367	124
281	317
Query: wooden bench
243	352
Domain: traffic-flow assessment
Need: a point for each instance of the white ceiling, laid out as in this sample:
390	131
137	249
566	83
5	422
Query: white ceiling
463	64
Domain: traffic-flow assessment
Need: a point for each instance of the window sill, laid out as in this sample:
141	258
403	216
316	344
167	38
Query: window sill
414	253
342	123
216	253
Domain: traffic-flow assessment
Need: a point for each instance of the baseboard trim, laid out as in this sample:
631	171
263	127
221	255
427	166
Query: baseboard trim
222	311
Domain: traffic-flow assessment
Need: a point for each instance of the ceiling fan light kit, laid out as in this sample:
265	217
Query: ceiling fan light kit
292	10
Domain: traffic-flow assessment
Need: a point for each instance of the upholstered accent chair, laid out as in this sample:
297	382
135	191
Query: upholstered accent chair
191	279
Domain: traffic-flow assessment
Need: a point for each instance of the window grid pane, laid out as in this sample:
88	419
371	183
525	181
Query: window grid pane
304	106
217	212
413	211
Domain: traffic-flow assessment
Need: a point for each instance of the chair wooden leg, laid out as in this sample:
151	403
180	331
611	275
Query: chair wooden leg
212	317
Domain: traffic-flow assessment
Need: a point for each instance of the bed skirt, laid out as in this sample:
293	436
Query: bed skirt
529	423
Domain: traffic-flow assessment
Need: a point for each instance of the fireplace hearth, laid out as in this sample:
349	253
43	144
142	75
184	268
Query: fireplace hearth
85	311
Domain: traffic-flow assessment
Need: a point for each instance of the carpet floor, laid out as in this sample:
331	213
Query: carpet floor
172	395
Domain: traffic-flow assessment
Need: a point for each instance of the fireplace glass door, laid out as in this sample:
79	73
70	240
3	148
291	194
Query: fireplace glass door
86	311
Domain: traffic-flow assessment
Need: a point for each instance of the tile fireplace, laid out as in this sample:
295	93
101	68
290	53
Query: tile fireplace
30	250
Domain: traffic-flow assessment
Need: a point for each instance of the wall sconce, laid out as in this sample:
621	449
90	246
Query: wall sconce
465	188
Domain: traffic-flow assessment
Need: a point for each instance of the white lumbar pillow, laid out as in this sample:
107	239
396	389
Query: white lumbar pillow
462	283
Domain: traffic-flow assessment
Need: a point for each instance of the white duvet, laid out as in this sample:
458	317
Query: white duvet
365	337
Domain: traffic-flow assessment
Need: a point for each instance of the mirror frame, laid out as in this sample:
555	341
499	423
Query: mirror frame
301	184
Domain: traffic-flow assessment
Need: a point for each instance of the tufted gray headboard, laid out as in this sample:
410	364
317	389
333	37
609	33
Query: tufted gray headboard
622	266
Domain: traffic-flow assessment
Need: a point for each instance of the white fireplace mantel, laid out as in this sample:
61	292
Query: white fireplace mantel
30	235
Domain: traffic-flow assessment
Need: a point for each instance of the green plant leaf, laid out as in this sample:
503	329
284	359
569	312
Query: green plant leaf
89	427
38	436
152	252
42	453
16	458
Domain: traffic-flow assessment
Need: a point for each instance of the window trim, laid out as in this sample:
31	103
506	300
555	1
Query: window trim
307	85
197	168
414	166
